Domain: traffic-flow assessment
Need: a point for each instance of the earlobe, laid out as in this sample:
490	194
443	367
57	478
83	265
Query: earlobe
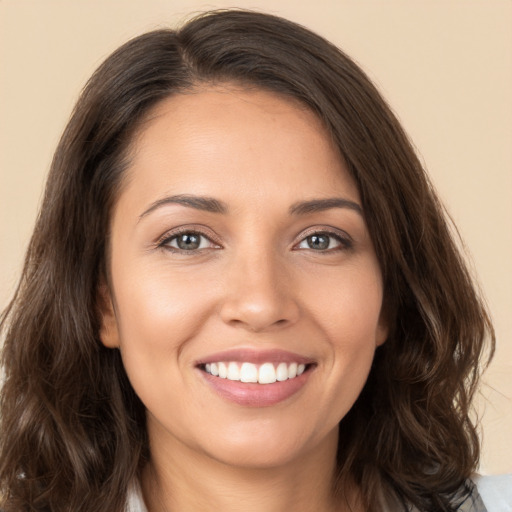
109	332
382	332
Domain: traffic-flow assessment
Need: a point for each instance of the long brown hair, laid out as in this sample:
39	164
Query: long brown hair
73	432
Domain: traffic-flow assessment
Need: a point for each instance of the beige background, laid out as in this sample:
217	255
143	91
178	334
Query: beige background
445	67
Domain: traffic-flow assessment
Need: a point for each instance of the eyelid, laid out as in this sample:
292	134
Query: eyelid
330	230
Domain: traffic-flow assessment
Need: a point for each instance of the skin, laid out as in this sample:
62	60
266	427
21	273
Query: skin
254	283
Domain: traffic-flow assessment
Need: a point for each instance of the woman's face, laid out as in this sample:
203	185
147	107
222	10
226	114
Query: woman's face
246	294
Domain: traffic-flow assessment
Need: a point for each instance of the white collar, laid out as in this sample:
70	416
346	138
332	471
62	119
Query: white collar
135	502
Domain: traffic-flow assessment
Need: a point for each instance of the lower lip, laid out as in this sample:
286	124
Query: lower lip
256	395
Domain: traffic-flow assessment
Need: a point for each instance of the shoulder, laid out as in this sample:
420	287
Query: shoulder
490	494
479	494
495	492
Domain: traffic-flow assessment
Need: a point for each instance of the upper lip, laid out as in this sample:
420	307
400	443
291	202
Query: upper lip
255	356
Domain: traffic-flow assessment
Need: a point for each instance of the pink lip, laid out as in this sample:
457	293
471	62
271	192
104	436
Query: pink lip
253	394
255	357
256	395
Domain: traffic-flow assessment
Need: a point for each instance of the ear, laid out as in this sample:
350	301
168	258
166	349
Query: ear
109	331
382	332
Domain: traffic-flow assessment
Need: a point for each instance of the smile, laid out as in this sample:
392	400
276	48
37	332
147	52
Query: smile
266	373
256	378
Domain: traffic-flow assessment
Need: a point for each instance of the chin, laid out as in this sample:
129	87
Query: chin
270	448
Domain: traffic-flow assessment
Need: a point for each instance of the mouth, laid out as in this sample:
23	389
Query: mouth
266	373
256	379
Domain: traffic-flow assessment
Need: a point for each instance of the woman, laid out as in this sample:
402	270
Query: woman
241	293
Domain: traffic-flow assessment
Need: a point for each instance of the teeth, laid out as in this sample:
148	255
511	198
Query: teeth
223	371
282	372
248	372
267	373
233	372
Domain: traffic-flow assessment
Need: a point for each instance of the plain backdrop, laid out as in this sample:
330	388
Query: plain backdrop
445	67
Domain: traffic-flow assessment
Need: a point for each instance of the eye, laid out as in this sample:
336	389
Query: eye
325	241
187	241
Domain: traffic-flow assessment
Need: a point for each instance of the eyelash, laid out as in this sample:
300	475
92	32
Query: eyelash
344	241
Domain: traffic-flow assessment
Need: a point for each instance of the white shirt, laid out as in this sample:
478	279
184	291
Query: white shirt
495	491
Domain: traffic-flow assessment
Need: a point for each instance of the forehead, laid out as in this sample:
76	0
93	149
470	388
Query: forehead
228	139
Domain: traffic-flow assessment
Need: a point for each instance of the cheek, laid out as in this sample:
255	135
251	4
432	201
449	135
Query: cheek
356	333
349	316
353	352
158	307
156	316
348	306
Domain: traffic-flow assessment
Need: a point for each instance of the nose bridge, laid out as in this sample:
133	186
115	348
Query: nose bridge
258	292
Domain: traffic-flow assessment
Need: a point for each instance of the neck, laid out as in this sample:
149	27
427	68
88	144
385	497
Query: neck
186	480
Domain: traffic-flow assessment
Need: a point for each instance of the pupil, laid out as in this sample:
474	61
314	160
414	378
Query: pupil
188	242
318	242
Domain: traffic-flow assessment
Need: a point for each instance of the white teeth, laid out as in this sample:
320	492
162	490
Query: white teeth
282	372
233	372
267	373
223	371
249	372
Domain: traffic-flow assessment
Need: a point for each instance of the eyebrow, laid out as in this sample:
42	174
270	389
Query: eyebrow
320	205
207	204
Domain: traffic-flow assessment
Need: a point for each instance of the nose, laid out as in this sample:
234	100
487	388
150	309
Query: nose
259	294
